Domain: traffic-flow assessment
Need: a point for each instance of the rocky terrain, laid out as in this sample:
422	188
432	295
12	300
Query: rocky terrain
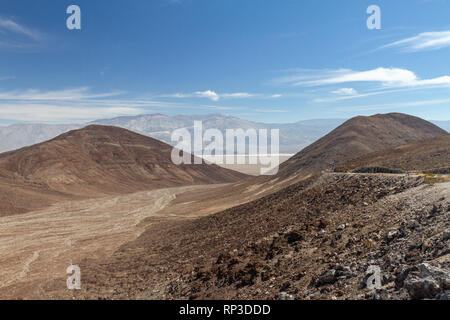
429	155
313	240
405	234
357	137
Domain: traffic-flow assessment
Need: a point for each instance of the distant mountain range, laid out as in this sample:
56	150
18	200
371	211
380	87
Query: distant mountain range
21	135
293	136
443	124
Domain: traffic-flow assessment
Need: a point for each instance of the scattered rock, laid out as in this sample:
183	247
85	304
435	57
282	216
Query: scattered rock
446	235
286	296
391	235
421	288
327	277
293	237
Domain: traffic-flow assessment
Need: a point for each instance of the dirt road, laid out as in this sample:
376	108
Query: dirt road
40	245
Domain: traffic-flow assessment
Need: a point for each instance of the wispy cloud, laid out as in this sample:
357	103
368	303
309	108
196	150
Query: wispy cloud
387	77
345	92
17	35
241	108
391	106
239	95
207	94
214	96
423	41
72	105
6	78
77	94
57	113
364	83
364	95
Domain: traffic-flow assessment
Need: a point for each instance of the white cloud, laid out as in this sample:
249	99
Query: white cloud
237	95
423	41
384	75
208	94
57	113
396	105
364	95
76	105
63	95
445	80
214	96
301	75
72	105
15	35
387	77
240	108
345	92
11	26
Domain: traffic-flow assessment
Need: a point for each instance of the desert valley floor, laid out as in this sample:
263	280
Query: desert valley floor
37	247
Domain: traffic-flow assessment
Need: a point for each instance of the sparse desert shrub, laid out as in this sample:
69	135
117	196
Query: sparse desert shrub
431	178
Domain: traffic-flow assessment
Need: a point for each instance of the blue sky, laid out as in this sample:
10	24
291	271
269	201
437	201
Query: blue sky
270	61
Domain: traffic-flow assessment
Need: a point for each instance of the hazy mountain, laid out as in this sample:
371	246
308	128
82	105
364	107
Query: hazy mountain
293	136
443	124
20	135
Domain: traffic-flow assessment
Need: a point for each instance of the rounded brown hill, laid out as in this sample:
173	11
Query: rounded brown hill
359	136
429	155
100	160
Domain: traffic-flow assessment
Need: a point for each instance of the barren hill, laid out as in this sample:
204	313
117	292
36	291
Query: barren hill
96	161
429	155
359	136
305	242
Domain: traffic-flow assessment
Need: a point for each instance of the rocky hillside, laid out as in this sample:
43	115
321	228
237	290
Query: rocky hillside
308	241
357	137
429	155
